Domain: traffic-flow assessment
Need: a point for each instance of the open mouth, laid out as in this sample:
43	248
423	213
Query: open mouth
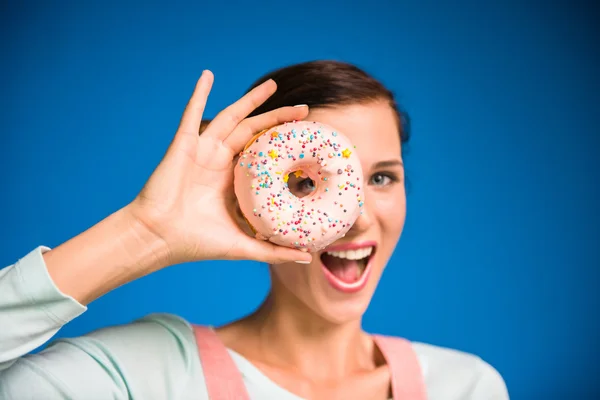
347	269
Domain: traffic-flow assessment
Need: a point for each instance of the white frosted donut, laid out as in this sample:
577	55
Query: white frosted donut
307	149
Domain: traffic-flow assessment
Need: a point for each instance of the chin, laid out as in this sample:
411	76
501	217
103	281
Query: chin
341	312
339	284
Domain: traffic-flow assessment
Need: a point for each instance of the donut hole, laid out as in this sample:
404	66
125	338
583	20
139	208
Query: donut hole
300	184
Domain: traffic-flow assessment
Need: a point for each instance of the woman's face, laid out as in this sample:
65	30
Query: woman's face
337	286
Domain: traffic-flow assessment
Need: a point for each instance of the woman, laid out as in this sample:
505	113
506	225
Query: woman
304	341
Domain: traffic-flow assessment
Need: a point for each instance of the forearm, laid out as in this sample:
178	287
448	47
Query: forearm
117	250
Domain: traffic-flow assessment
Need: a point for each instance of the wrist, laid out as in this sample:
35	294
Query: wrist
142	242
111	253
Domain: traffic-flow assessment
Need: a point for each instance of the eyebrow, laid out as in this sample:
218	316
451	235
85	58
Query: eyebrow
388	163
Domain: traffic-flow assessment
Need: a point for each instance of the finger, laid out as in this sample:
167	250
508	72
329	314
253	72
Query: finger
249	127
192	116
228	119
270	253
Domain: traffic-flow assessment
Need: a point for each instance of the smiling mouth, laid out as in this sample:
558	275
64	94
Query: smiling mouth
347	269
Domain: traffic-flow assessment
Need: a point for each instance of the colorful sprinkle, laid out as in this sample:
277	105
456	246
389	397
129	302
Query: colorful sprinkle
287	215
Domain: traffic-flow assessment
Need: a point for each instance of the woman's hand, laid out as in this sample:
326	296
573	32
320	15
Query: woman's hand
188	203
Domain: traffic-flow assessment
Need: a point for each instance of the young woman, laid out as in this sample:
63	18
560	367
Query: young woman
304	342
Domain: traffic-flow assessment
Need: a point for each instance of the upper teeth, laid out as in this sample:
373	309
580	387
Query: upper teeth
352	254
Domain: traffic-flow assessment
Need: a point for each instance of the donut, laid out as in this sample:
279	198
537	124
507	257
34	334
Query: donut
301	150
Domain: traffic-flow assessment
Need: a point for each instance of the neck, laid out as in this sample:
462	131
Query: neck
291	335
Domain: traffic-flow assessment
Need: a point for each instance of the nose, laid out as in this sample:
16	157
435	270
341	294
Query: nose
363	222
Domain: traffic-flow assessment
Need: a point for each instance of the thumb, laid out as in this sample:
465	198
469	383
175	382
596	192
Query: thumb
270	253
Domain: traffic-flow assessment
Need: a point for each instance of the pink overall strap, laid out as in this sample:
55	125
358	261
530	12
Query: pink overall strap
405	371
223	379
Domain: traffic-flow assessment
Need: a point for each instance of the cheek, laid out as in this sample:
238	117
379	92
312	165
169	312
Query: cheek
391	214
391	210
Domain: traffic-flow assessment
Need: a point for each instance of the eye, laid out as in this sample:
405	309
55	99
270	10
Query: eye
383	179
300	186
306	185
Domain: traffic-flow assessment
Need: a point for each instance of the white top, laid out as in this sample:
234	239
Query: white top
155	357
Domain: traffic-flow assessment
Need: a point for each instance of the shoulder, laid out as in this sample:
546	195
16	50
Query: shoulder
459	374
159	327
152	357
152	343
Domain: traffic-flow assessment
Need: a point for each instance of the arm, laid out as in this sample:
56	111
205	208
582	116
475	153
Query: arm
48	288
149	358
182	214
32	309
146	359
161	226
112	253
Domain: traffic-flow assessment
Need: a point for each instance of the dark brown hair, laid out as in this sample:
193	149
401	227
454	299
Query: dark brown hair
325	83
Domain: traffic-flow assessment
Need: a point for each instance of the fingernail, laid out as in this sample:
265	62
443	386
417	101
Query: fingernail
303	262
300	105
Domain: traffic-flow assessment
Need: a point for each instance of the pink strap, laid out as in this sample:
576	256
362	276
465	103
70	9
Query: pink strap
405	371
223	379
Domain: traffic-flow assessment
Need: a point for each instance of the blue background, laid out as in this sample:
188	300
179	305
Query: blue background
500	255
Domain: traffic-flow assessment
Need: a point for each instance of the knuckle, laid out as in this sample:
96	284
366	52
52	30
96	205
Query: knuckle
233	117
255	102
193	107
244	124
